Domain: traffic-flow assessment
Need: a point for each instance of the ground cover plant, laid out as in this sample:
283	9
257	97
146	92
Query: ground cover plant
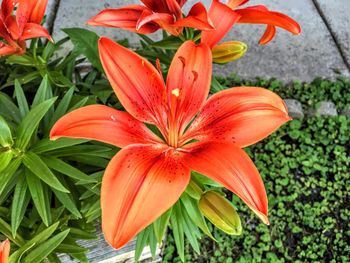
308	189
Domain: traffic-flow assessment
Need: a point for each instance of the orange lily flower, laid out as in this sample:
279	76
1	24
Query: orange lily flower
4	251
225	16
149	174
20	20
165	14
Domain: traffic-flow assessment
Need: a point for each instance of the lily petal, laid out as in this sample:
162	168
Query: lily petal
235	3
125	17
172	7
4	251
140	183
259	15
33	30
243	115
163	20
104	124
6	50
7	7
138	85
223	19
38	11
188	81
197	18
231	167
268	35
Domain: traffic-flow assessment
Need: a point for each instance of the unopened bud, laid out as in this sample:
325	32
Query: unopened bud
228	51
219	211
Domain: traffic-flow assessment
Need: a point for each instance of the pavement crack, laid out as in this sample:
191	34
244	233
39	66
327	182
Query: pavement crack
334	37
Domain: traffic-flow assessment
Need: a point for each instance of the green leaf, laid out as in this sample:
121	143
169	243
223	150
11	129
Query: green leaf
71	249
152	242
21	99
5	159
41	252
63	106
191	231
47	145
64	168
8	173
20	202
161	224
42	92
8	109
86	42
178	231
38	239
5	133
30	123
5	229
68	202
36	165
195	214
141	242
39	196
171	43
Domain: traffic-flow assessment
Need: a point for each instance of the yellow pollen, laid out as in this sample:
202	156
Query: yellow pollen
175	92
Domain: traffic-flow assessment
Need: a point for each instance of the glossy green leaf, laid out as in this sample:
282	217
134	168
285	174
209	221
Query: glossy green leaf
141	242
64	168
47	145
5	134
62	106
178	231
191	231
20	202
161	224
36	165
42	92
8	172
171	42
5	159
195	214
36	240
21	99
68	202
30	123
8	108
41	252
39	197
86	42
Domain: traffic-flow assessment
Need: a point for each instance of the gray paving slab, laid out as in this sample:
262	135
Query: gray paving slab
337	16
288	57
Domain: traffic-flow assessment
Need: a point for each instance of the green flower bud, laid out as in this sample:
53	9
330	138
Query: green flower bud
228	51
218	210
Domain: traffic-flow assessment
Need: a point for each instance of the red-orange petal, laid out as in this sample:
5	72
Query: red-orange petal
223	19
138	85
230	166
32	30
4	251
6	50
257	15
104	124
163	20
38	11
125	17
197	18
188	81
243	115
235	3
140	183
269	34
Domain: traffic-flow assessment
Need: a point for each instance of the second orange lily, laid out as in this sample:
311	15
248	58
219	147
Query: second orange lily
19	21
149	174
4	251
165	14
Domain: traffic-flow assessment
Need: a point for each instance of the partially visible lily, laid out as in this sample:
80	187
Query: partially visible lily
228	51
225	16
19	21
148	175
165	14
4	251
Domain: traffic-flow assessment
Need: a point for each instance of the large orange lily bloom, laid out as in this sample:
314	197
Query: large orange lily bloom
4	251
150	173
225	16
19	21
155	14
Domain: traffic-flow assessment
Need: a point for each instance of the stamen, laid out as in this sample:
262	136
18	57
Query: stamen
175	92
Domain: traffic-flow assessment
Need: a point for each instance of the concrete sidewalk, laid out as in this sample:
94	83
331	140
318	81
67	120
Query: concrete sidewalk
323	48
